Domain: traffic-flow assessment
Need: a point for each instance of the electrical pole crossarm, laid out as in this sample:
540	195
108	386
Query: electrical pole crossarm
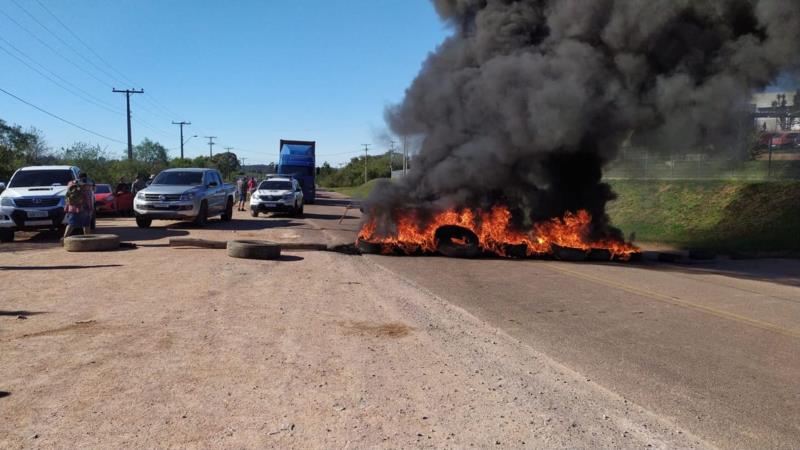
128	93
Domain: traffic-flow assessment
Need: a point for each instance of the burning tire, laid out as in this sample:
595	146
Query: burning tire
457	242
254	249
569	254
91	243
369	247
600	254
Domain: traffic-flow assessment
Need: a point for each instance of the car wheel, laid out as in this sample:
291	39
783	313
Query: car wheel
6	235
143	222
202	216
228	214
253	213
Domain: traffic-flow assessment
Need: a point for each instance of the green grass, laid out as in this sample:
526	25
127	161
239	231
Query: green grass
710	214
360	192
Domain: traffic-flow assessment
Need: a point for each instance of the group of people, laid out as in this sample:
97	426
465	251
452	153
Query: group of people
245	186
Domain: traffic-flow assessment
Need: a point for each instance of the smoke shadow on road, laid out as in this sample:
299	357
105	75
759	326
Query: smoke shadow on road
21	313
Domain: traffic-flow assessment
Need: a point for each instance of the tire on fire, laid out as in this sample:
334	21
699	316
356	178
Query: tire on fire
248	249
91	243
457	242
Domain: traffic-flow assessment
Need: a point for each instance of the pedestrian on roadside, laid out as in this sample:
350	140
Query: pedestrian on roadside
241	189
79	205
139	184
251	186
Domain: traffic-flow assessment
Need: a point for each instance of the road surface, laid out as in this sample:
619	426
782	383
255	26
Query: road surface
162	347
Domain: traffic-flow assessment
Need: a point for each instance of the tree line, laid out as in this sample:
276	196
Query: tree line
20	147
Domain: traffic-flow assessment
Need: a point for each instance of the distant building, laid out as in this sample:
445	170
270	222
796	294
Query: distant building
777	111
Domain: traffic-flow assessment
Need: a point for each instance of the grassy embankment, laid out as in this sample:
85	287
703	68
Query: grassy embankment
723	215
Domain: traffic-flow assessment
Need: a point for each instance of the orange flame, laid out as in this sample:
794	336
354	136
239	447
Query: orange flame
494	233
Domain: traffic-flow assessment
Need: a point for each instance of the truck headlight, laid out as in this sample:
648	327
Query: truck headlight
6	201
187	196
288	196
140	196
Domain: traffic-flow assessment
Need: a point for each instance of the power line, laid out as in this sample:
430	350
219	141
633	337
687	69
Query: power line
147	97
61	55
366	157
86	96
58	38
69	30
60	118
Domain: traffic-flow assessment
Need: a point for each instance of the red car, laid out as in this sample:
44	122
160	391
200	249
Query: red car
120	202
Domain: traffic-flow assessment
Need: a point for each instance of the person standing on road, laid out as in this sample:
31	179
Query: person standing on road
79	205
240	188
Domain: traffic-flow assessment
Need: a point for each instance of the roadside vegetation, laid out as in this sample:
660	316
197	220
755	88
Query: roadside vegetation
720	215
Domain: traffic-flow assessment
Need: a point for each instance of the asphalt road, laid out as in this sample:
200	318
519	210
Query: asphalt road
714	348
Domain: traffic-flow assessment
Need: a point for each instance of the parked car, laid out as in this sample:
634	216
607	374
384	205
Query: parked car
277	194
35	199
184	194
119	202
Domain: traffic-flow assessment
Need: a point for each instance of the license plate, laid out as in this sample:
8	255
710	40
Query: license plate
161	206
33	223
37	214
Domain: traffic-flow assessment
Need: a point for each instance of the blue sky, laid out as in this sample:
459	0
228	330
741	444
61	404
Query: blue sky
249	72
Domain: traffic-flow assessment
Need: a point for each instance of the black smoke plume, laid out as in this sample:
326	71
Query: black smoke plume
528	100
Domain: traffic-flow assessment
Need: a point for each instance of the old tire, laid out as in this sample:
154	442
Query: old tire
254	249
6	235
143	222
91	243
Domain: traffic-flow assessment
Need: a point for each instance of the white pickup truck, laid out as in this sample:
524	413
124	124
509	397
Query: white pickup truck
34	199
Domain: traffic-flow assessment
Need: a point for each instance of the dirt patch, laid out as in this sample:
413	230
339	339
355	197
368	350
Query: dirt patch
387	330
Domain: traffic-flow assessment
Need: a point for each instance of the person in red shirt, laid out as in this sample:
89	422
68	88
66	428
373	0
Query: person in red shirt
79	207
251	185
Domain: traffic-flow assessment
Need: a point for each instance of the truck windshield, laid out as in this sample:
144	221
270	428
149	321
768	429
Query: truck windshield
275	186
296	170
34	178
179	178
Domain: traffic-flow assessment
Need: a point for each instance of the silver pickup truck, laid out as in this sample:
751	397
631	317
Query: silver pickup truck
185	194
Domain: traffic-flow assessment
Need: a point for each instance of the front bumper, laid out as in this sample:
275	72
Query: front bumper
20	219
267	206
166	210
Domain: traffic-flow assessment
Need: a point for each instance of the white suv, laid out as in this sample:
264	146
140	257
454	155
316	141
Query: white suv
277	194
34	199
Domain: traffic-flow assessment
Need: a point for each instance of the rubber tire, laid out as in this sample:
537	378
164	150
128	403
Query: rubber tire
6	235
91	243
143	222
253	213
228	214
248	249
202	216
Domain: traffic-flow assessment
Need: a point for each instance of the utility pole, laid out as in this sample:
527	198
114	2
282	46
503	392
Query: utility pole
366	151
210	145
128	93
391	157
181	125
405	155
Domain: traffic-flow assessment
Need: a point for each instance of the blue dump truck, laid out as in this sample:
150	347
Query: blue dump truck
298	159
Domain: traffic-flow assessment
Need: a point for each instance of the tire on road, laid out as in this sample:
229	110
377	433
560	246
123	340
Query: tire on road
6	235
143	222
91	243
202	215
248	249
